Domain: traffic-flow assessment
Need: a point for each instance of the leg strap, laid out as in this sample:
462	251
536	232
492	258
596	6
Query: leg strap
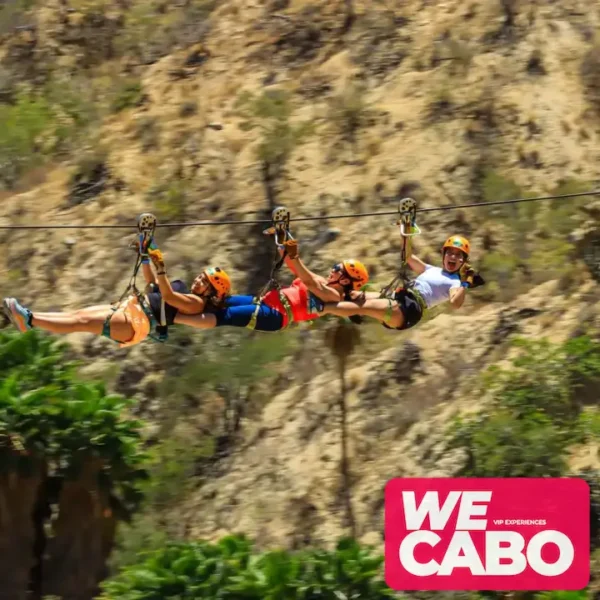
388	311
286	305
106	326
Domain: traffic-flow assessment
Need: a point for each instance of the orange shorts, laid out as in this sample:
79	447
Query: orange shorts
138	320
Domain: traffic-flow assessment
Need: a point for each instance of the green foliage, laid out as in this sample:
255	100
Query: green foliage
348	110
271	113
152	28
172	465
46	414
563	595
75	106
564	214
230	569
496	187
247	360
534	414
41	125
592	477
142	534
499	269
129	94
590	75
11	14
532	237
30	361
170	199
21	128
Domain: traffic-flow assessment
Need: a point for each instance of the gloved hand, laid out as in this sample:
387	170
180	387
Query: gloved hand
157	258
478	281
467	273
144	247
292	248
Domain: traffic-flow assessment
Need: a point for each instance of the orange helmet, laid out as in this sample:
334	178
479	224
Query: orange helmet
219	280
457	241
357	272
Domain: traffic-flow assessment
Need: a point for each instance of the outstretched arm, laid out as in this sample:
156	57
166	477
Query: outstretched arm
147	270
457	297
188	304
458	294
289	263
416	264
315	283
149	275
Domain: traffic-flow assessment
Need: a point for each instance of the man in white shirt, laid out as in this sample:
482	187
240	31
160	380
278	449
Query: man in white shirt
432	286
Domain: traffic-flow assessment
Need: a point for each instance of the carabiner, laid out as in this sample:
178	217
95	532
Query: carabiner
280	227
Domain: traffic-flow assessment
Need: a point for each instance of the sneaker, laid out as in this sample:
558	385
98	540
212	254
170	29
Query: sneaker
19	316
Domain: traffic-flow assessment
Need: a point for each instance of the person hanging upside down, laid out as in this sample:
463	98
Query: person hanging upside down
130	322
432	286
301	301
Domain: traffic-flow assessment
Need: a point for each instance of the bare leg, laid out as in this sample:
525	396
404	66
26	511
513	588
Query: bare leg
374	308
202	321
86	320
66	316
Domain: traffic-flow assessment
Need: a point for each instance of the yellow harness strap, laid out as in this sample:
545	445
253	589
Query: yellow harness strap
286	305
388	311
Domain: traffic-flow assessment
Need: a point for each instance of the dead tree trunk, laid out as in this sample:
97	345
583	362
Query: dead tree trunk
83	537
18	499
342	340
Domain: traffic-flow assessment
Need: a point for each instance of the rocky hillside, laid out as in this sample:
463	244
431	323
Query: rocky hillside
221	109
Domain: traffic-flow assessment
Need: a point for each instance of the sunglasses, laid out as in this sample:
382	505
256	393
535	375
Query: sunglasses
339	269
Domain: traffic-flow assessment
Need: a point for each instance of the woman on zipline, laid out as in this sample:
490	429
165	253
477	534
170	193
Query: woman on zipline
301	301
130	323
432	286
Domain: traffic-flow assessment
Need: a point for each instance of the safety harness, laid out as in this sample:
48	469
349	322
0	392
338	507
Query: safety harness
146	225
280	229
408	229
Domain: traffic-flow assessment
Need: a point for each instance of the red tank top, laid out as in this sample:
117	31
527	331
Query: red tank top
297	295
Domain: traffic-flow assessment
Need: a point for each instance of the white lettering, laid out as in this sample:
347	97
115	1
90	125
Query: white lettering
468	510
430	505
461	541
534	553
407	553
494	553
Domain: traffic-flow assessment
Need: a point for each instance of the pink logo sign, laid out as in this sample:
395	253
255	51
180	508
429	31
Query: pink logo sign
487	534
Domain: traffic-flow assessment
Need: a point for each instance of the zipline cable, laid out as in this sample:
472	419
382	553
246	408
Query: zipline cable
320	218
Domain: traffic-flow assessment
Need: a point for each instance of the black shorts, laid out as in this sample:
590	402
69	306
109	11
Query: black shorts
410	307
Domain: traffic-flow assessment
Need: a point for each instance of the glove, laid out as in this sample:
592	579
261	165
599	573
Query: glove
478	280
157	258
467	273
292	248
144	247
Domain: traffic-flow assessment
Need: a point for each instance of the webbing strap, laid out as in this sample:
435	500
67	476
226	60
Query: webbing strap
388	312
408	228
146	227
286	305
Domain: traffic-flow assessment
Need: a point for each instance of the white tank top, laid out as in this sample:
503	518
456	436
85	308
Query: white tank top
434	285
